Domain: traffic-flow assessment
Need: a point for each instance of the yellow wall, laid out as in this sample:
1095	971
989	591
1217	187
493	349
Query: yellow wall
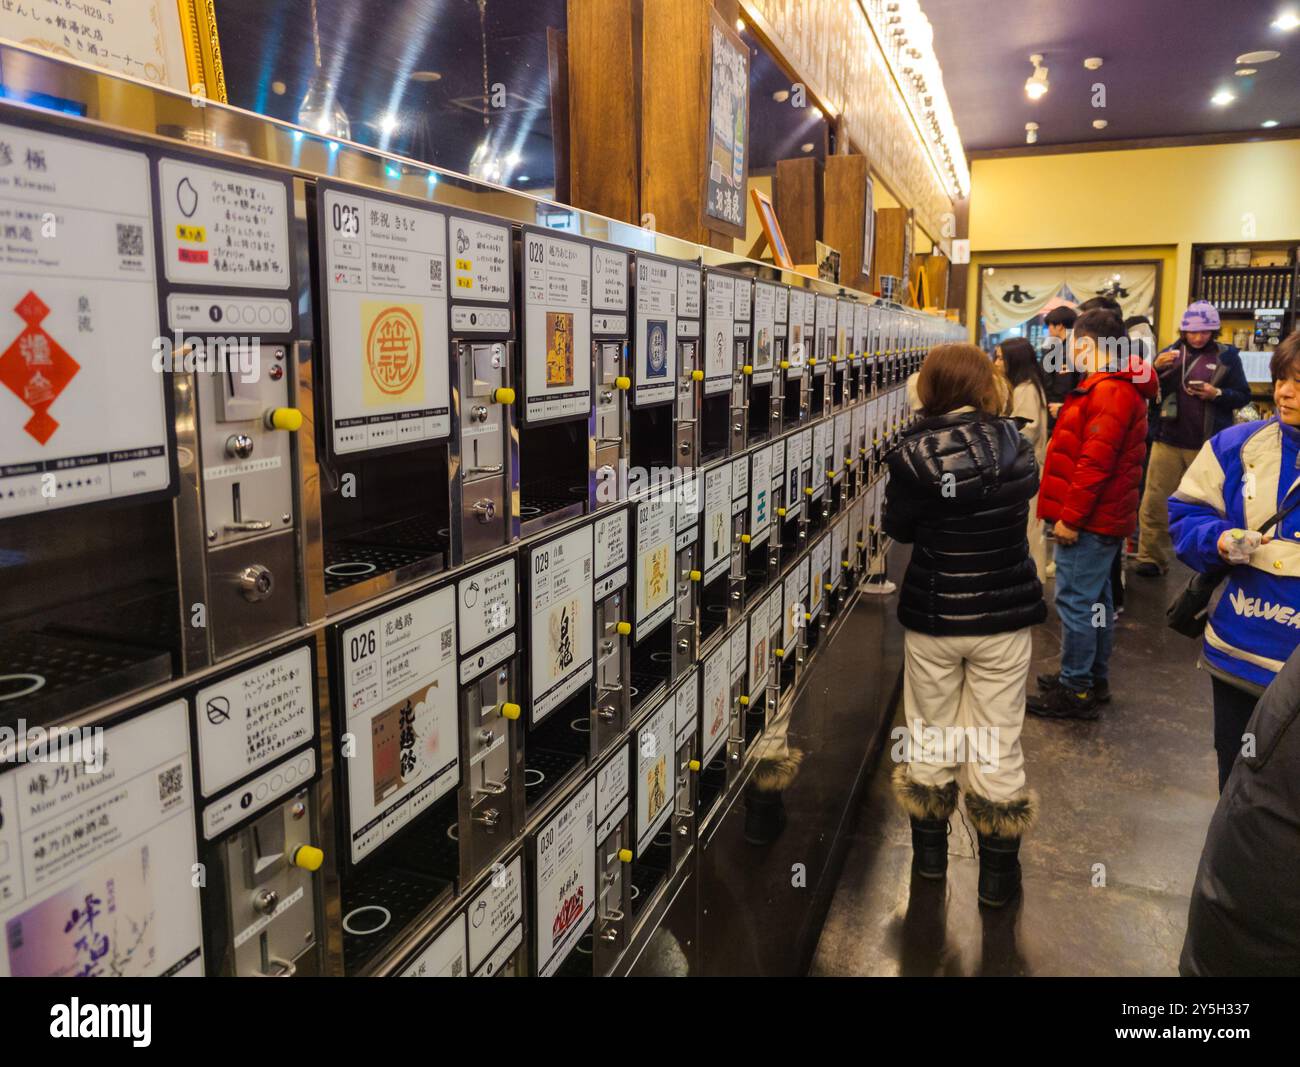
1136	204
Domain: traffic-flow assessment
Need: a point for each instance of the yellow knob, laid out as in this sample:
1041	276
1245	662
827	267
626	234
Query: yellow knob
846	564
779	653
503	395
697	375
862	451
696	576
781	512
861	544
744	702
510	710
835	359
624	628
807	490
744	539
747	369
812	362
807	616
694	765
308	857
827	586
625	855
785	364
623	381
289	419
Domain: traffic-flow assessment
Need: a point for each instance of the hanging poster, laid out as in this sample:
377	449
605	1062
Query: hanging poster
727	147
386	321
83	413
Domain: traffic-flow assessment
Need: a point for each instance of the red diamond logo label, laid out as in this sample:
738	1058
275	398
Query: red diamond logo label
35	368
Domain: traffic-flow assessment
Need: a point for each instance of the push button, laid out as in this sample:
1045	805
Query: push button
288	419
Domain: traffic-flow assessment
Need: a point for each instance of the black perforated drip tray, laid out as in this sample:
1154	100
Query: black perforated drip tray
550	499
50	672
580	962
650	869
713	782
379	904
412	547
652	669
544	769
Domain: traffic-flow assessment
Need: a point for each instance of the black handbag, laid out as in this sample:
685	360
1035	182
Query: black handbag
1189	611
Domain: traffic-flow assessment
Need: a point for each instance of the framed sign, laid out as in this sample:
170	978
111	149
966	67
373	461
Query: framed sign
869	226
772	229
726	150
166	42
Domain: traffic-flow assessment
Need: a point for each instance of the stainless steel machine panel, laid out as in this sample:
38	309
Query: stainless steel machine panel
609	709
614	854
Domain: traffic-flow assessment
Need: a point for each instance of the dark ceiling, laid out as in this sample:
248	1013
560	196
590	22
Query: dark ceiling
372	49
1164	59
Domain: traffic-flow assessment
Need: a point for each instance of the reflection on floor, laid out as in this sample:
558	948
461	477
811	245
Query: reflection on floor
1125	801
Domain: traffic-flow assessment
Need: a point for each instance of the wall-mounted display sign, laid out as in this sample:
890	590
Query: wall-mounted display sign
385	264
557	327
83	411
727	147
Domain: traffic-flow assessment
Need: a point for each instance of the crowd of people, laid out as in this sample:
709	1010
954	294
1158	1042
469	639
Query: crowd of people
1046	470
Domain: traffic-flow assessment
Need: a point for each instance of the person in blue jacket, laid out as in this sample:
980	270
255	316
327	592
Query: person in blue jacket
1202	382
1239	479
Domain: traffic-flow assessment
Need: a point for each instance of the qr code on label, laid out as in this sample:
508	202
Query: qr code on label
435	271
171	783
130	239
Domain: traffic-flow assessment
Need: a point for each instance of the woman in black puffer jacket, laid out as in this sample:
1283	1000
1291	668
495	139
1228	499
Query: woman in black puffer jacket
959	490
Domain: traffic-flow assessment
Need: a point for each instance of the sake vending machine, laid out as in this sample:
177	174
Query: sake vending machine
613	857
726	348
563	636
662	434
820	397
793	513
88	456
416	471
860	351
398	767
258	764
690	575
555	414
654	579
716	706
99	869
841	365
771	309
230	282
720	531
612	703
612	369
760	549
563	867
794	368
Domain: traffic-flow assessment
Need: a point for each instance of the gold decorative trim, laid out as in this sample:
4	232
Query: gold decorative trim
203	47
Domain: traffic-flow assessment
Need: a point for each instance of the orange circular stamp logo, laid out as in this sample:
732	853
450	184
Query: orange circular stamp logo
393	350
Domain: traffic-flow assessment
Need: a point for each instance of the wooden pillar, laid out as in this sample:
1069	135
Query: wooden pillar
959	279
891	242
604	141
844	213
798	204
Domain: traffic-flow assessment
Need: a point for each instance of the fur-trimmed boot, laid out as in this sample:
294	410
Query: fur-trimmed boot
1000	825
929	807
764	800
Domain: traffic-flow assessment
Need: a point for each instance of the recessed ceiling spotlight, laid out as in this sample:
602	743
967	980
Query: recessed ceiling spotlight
1268	124
807	146
1031	132
522	178
740	25
1245	72
781	96
388	124
425	76
1099	124
1222	98
278	87
1036	84
1093	63
1286	22
1246	59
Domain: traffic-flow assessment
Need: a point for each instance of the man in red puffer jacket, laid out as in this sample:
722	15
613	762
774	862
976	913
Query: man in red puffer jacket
1089	490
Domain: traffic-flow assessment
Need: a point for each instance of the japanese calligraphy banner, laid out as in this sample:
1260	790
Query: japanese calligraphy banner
1012	295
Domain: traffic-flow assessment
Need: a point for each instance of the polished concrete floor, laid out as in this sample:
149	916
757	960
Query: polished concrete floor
1107	872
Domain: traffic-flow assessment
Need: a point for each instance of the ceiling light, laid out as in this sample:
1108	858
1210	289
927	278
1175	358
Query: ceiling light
807	146
1031	132
279	88
740	25
388	124
1222	98
1245	72
425	76
1286	22
781	96
433	178
513	159
1036	84
1246	59
522	178
1093	63
1099	124
1268	124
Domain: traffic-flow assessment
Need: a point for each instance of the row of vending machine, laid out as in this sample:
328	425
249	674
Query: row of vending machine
391	587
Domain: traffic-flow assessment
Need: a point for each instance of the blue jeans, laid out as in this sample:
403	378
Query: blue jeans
1086	606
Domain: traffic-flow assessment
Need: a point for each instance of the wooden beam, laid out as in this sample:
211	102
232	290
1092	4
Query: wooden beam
844	201
604	141
798	202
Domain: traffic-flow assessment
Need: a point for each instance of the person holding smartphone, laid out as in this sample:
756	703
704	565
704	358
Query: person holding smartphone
1202	382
